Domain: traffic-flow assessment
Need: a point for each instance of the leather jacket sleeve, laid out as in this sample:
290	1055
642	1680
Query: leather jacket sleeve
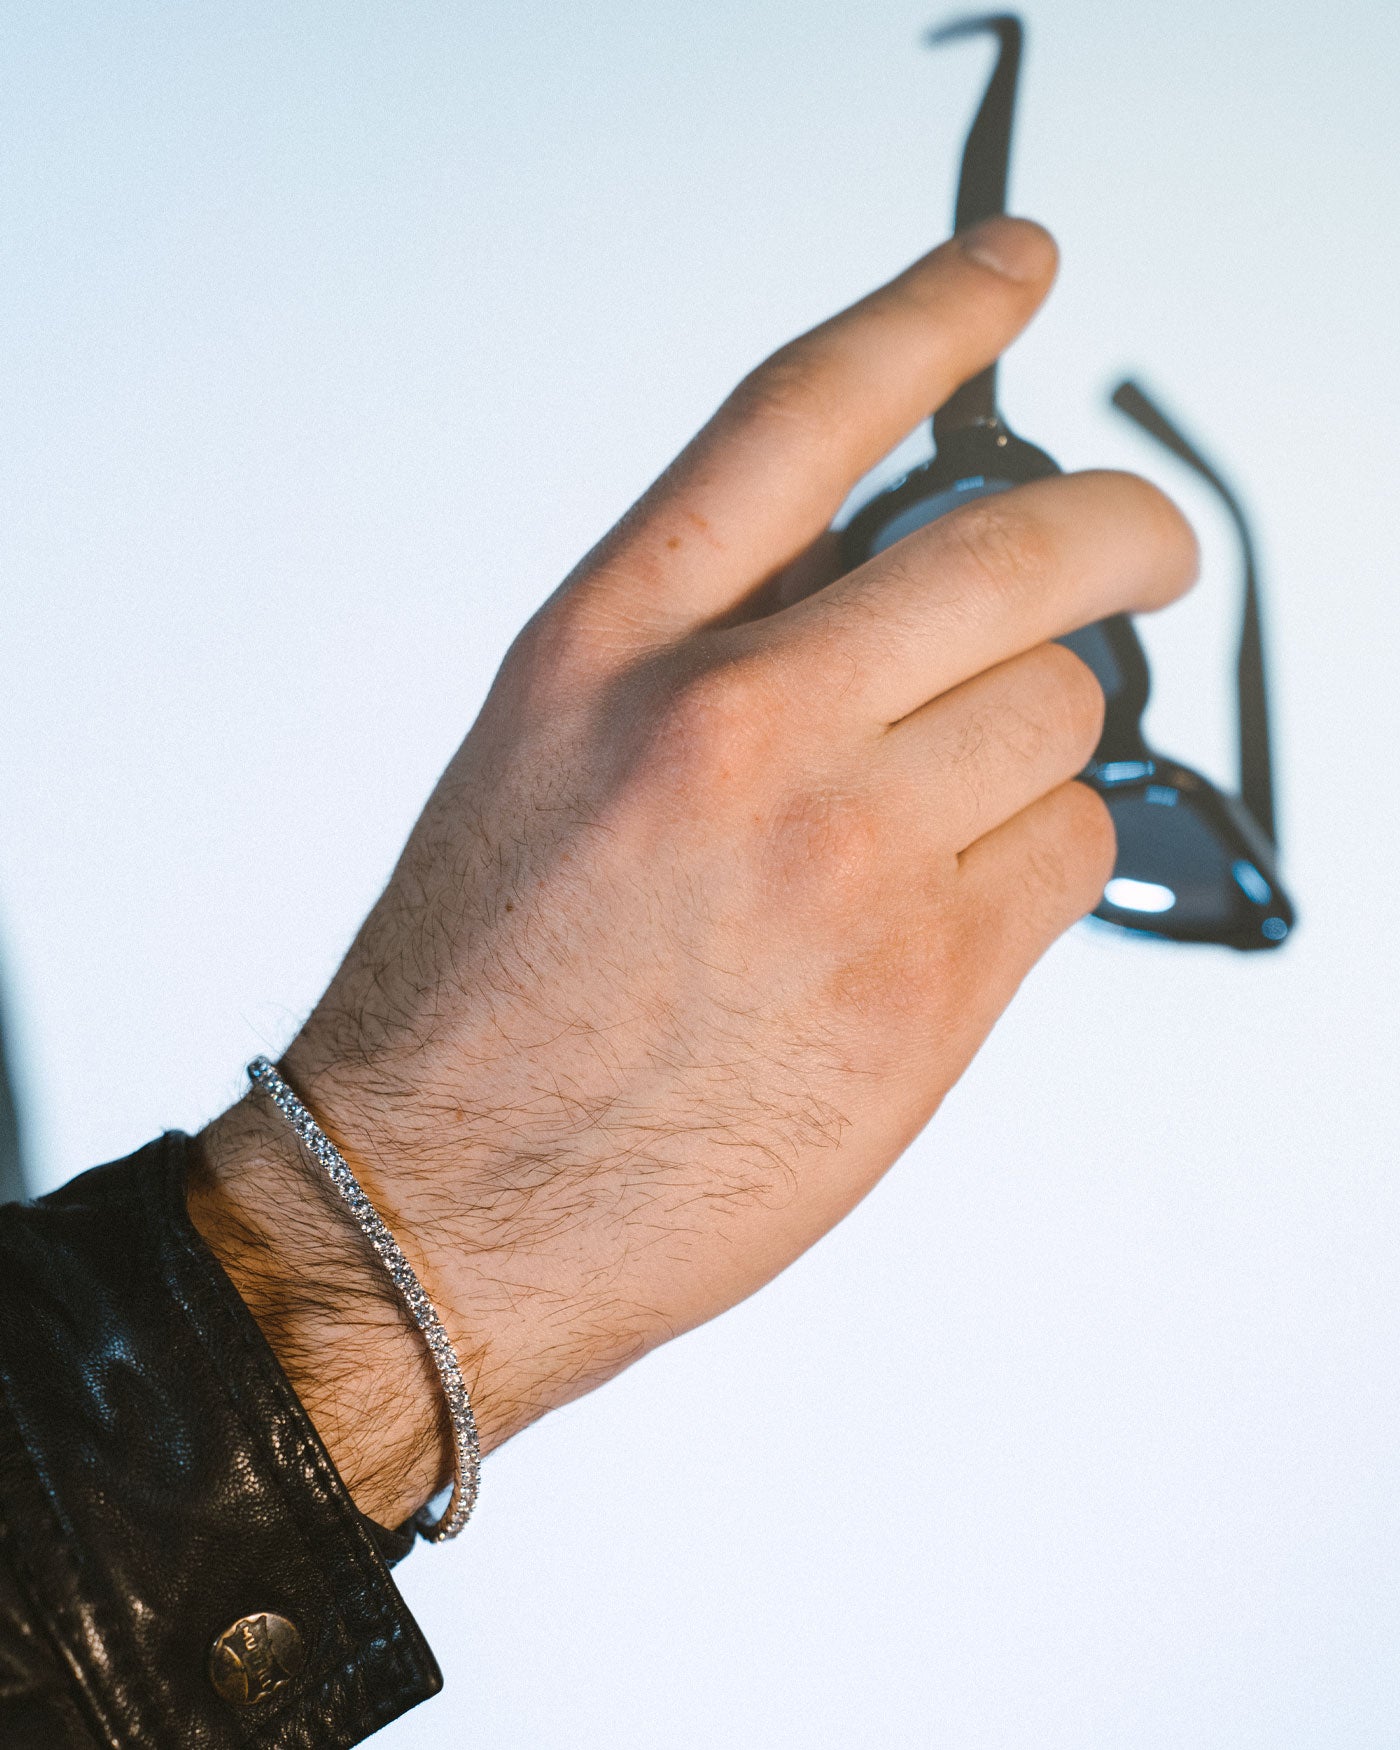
180	1564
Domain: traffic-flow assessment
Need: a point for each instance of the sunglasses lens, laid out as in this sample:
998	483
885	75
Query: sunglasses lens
1183	871
1169	859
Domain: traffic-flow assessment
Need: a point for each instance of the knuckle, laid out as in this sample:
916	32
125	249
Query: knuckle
1079	701
1071	861
1002	545
1091	840
557	650
715	723
789	387
828	842
1049	712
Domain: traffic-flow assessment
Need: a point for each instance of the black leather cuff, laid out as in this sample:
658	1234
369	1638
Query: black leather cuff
180	1564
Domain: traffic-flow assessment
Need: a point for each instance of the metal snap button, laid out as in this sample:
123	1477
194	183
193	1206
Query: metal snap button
255	1656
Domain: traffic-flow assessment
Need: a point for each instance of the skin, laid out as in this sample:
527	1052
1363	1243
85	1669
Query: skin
717	900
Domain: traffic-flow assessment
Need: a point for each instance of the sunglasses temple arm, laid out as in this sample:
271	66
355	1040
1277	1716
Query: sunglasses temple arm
982	187
1256	759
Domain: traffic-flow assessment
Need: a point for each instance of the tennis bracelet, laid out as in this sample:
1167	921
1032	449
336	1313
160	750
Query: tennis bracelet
466	1448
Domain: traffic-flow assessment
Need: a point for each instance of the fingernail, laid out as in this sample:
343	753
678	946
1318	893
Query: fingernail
1017	249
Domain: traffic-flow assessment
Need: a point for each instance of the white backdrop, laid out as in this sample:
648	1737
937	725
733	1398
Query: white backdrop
332	334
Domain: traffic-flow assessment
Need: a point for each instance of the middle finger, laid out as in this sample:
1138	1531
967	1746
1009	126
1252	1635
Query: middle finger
978	586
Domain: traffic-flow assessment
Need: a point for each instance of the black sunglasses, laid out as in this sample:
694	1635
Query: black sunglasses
1194	863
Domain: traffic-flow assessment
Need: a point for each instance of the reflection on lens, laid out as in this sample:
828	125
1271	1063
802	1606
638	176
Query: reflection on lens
1252	883
1123	771
1130	895
1169	851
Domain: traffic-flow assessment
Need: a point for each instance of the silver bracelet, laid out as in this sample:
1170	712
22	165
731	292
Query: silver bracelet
466	1449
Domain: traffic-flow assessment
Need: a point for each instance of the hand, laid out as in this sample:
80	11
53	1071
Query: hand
716	901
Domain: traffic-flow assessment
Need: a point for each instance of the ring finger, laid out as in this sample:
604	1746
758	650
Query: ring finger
989	748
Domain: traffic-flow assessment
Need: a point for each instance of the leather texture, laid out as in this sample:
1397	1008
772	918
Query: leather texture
160	1481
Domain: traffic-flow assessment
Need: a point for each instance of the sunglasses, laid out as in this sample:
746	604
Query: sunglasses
1195	863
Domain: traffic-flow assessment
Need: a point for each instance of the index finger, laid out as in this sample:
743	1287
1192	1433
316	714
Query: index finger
768	472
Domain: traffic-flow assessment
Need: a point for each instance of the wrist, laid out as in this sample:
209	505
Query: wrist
509	1265
328	1310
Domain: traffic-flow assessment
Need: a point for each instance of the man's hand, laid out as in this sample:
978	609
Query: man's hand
717	900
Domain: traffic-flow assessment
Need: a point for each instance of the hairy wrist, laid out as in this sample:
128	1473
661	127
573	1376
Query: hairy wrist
328	1310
